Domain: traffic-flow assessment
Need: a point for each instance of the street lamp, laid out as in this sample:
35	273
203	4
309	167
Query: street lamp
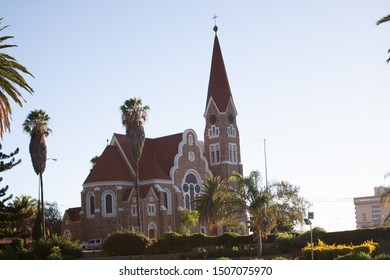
308	222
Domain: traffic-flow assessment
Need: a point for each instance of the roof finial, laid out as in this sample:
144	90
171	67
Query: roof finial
215	24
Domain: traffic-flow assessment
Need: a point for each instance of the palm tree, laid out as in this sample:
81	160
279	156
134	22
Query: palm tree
385	200
219	204
134	116
26	207
36	124
10	75
260	205
208	202
383	20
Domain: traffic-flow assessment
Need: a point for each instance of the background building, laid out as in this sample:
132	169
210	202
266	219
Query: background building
369	211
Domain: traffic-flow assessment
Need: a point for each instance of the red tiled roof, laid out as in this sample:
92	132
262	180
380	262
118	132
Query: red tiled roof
156	161
74	213
157	156
219	88
109	167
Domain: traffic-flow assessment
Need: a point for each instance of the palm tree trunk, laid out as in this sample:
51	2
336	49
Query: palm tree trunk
42	208
138	197
259	243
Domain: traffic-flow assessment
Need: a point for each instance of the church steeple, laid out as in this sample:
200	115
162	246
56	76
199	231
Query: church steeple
221	136
219	88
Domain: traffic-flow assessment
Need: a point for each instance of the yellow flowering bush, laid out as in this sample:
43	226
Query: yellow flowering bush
323	251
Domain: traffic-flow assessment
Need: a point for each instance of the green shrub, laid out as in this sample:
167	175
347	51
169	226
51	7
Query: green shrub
9	253
280	258
55	253
383	257
18	243
69	249
355	256
126	243
323	251
284	242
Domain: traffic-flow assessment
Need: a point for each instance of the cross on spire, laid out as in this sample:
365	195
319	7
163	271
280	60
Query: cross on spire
215	24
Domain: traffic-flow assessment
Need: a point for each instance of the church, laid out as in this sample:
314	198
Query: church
172	171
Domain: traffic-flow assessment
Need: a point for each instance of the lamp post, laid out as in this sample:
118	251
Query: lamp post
308	222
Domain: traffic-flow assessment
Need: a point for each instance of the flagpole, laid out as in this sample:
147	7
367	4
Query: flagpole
265	161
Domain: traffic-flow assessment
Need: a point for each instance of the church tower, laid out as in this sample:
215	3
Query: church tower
221	136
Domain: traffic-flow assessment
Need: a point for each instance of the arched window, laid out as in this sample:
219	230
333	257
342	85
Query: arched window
108	202
152	230
191	189
90	203
108	205
167	201
68	234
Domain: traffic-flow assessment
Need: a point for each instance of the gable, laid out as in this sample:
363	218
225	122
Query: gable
109	167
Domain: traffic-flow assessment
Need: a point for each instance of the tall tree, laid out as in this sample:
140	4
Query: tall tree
290	206
134	115
260	205
383	20
11	81
275	207
36	124
7	215
53	218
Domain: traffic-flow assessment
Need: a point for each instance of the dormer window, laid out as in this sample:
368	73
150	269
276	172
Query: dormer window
213	131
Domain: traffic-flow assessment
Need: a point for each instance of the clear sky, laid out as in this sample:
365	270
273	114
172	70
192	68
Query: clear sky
308	76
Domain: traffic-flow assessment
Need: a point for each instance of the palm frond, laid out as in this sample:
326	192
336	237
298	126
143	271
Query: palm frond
383	20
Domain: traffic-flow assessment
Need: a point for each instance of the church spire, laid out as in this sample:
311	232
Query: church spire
219	88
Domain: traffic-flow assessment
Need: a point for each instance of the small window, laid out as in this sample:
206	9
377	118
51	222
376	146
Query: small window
108	203
232	152
92	205
190	139
151	209
215	153
134	211
231	131
213	131
165	200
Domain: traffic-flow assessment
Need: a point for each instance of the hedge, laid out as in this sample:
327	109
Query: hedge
324	251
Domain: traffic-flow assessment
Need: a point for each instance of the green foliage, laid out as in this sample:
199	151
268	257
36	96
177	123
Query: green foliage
9	213
18	243
323	251
188	219
355	256
382	257
55	253
284	242
126	243
69	249
53	218
280	258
